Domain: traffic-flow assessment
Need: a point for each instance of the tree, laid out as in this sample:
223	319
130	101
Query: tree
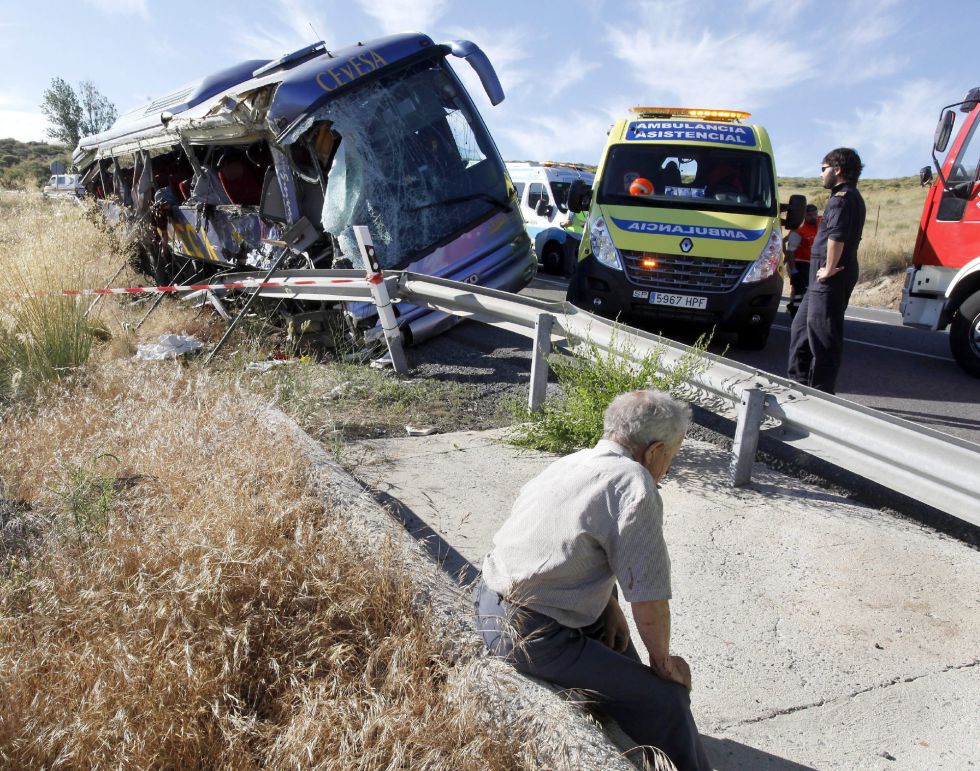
98	113
60	106
72	115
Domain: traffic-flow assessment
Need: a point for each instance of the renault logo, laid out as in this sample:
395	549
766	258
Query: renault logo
686	245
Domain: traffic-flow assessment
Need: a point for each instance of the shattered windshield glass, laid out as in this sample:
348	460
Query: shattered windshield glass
411	160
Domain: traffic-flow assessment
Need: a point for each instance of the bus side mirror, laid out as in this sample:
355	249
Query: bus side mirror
794	210
543	208
579	196
944	130
471	54
925	175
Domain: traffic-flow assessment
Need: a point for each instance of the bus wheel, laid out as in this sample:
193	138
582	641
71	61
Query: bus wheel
753	338
964	335
552	258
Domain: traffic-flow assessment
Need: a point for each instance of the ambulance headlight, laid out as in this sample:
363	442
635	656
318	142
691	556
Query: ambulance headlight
768	262
602	244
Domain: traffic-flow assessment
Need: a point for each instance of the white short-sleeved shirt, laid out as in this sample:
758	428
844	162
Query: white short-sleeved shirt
588	520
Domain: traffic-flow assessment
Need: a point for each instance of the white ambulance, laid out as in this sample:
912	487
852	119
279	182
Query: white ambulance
63	185
542	192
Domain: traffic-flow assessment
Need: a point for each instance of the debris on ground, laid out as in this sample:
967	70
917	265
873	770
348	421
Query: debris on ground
169	347
265	366
338	392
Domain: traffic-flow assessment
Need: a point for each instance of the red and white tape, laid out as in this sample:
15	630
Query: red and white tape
228	285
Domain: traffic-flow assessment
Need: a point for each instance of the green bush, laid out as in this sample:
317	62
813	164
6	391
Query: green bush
87	495
591	378
47	338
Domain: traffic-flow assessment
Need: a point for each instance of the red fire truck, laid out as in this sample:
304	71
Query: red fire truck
942	288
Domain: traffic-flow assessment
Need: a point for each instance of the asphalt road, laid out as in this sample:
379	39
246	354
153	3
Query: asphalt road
905	372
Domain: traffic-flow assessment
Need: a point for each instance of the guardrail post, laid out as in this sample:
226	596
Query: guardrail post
393	335
746	435
539	361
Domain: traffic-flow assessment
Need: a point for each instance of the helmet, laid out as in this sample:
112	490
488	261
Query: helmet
641	186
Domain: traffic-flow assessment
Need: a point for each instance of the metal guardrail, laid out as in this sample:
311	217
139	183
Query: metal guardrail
925	465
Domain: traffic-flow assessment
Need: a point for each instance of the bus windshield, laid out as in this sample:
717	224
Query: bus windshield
689	177
406	155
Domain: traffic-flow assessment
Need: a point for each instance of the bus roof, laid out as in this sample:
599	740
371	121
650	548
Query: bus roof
303	80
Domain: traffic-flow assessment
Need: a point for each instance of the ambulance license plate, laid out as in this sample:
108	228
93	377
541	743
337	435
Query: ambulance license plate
678	300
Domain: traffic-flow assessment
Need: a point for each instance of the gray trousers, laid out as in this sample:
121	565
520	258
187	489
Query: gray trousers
652	711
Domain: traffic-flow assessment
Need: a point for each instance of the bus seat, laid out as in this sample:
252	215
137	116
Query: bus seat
239	179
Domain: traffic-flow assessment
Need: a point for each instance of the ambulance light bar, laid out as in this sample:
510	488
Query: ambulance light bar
688	112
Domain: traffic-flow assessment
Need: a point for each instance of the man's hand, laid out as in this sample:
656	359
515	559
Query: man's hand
824	273
673	669
616	634
835	253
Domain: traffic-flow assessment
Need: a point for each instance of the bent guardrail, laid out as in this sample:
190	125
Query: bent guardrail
925	465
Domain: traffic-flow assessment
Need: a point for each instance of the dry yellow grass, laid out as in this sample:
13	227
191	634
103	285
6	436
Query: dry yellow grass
50	245
47	246
171	592
894	208
199	608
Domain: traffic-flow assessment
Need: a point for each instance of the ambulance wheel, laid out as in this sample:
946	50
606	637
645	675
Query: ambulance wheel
552	259
753	338
964	335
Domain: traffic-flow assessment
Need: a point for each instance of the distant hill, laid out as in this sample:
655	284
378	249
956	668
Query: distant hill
28	162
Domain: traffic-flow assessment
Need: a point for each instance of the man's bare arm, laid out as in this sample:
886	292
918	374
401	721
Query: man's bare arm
652	619
617	631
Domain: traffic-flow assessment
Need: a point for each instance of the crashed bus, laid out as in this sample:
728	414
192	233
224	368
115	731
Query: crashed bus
380	133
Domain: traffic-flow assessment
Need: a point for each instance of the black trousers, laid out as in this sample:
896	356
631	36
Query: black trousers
798	282
654	712
816	338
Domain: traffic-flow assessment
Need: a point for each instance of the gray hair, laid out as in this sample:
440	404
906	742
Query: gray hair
637	419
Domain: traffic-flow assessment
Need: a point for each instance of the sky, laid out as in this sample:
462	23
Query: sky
868	74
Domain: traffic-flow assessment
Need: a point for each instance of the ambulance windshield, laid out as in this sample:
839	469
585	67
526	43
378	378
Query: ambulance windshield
689	177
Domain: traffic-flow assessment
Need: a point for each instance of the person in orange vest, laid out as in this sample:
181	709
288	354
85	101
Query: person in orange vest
797	249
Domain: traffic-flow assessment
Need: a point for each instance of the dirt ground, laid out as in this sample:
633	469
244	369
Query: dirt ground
882	292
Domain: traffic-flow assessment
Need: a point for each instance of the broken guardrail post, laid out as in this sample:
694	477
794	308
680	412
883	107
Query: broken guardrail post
746	435
539	361
393	335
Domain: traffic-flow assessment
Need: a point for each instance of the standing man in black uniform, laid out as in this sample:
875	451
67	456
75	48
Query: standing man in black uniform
816	338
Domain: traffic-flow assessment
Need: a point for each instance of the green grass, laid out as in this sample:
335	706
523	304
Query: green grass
46	339
589	380
87	494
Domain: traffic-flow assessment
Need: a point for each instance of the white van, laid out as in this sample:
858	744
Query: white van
542	191
63	184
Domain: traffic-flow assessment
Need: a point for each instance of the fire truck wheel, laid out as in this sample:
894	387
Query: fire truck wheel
964	335
753	338
552	258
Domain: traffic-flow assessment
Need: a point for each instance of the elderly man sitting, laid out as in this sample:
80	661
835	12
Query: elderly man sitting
547	597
